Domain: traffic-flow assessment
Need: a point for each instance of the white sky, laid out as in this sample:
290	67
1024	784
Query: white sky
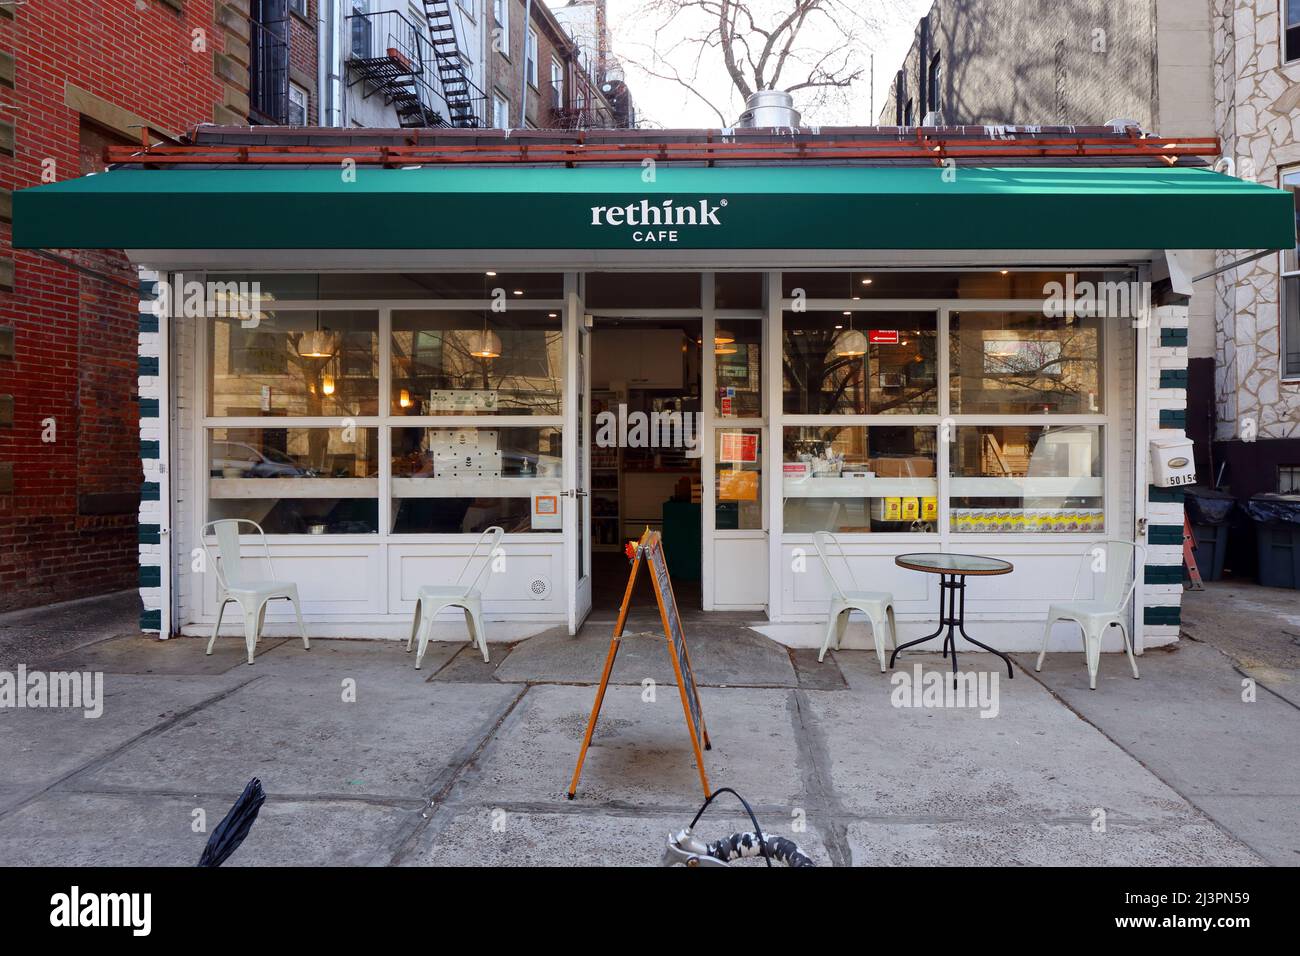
664	103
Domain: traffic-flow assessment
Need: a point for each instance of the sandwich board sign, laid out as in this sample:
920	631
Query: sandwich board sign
650	549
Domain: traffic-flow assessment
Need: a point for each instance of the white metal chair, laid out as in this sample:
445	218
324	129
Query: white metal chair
435	597
878	606
1106	609
235	582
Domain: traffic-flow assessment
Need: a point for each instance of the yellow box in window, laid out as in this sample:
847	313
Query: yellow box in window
929	509
887	509
911	509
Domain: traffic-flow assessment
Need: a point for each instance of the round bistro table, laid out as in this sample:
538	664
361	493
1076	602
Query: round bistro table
953	569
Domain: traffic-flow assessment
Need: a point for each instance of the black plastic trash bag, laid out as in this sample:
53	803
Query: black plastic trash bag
1274	510
230	832
1209	507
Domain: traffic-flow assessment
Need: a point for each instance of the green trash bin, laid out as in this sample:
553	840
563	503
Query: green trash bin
1277	534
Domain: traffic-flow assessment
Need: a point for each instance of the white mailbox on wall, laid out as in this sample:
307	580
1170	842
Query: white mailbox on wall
1172	464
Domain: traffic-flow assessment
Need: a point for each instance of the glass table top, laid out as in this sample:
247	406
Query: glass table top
954	563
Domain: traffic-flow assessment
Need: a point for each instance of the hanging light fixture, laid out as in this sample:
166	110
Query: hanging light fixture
485	344
722	337
404	399
851	343
327	384
317	343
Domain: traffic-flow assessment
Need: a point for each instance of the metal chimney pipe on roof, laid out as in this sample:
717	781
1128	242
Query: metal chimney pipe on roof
768	108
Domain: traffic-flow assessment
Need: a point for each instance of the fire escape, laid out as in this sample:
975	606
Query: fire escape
464	100
388	58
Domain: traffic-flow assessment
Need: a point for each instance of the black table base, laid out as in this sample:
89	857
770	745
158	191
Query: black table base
953	617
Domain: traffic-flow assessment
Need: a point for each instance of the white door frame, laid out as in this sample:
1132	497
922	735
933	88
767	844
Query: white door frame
577	455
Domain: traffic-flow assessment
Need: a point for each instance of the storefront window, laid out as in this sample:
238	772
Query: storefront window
397	285
458	363
284	363
460	480
857	479
642	290
738	290
878	284
1021	363
864	363
1027	479
738	369
738	457
296	480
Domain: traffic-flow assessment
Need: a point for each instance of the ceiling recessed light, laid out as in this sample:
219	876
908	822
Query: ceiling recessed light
552	315
489	273
519	291
868	281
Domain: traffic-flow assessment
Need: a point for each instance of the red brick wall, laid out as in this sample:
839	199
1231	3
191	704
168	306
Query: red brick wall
69	528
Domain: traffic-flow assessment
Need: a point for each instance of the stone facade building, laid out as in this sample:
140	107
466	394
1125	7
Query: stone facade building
1181	68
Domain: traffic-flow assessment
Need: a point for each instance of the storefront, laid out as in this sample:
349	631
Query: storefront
918	358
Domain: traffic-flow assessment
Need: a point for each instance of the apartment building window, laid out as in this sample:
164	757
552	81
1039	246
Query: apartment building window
501	17
297	105
530	56
909	114
932	81
1291	36
557	84
500	111
1291	288
900	97
1288	479
299	7
268	69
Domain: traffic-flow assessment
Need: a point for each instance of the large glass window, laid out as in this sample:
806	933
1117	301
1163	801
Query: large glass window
863	363
460	480
1027	479
459	363
738	368
291	363
857	479
1291	37
295	480
738	458
1021	363
990	284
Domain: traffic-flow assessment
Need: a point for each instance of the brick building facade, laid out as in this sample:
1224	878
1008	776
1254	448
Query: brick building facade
76	75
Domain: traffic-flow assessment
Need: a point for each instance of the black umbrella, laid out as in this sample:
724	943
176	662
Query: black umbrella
234	827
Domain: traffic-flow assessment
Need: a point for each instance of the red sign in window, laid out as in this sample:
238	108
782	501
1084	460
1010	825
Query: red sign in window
883	336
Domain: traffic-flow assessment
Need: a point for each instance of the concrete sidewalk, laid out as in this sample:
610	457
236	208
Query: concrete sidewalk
467	763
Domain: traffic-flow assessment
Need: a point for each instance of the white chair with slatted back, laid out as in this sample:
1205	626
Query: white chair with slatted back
847	597
236	581
1119	577
433	598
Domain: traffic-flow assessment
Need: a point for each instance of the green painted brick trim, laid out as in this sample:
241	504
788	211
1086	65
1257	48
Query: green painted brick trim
148	407
150	576
148	366
149	449
1173	378
1162	615
1173	418
150	534
151	620
148	322
1163	574
1166	495
150	491
1165	534
1173	338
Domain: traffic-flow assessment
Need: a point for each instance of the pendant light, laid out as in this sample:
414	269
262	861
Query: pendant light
316	344
851	343
722	337
327	384
485	344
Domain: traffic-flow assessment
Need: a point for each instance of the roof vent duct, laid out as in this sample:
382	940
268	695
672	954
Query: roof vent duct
769	108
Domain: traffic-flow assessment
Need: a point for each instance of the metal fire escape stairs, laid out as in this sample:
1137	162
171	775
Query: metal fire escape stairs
392	69
452	70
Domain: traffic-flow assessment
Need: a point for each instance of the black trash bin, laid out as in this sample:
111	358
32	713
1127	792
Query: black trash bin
1277	530
1209	512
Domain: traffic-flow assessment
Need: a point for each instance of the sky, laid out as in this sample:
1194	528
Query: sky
664	103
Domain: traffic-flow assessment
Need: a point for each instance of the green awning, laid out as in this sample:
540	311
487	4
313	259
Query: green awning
753	207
